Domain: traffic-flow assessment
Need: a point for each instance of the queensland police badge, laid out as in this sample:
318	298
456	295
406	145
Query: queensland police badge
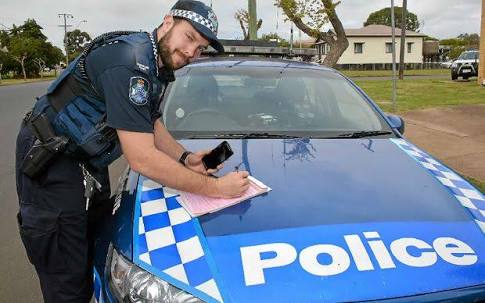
139	90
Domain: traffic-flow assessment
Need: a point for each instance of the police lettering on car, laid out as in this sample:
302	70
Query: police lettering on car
104	104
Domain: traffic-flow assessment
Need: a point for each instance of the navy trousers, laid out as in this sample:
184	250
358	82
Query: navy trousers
55	228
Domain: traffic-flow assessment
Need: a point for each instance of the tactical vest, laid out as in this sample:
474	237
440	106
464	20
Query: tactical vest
76	111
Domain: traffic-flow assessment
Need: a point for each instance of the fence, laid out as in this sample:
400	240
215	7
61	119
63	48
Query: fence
388	66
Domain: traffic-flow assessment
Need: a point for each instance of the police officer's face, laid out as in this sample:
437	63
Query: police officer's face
181	44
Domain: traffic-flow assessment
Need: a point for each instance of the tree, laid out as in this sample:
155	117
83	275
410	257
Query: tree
25	47
30	29
310	16
41	63
21	49
275	37
3	57
461	43
76	40
470	40
53	55
383	17
242	16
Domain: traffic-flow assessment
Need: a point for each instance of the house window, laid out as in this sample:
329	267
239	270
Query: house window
388	47
323	48
410	47
358	47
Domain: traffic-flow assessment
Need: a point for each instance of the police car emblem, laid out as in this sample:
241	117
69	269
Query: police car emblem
138	90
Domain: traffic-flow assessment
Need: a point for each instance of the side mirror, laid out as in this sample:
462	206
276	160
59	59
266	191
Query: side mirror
396	122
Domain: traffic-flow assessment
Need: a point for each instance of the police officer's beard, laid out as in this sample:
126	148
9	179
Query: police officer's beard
165	53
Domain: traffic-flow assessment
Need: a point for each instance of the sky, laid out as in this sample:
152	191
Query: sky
438	18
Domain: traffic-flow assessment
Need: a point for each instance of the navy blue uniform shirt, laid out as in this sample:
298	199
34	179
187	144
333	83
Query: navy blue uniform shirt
113	73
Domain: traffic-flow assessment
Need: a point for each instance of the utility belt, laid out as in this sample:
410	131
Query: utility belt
97	147
46	148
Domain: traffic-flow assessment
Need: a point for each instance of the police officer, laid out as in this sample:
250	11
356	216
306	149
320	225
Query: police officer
104	104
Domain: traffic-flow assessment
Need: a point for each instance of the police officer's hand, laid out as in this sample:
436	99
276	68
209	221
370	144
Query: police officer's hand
194	162
233	185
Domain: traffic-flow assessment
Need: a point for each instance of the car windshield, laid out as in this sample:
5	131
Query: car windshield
222	100
468	56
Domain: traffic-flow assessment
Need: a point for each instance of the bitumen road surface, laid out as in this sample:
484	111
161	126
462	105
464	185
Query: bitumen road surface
18	281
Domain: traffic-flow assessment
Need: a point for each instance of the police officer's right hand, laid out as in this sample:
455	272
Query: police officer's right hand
233	184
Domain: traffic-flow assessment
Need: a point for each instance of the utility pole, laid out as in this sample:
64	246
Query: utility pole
291	39
65	16
253	20
481	69
393	47
403	39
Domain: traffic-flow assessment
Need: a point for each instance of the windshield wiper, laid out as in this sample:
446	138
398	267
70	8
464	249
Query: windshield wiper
363	134
264	135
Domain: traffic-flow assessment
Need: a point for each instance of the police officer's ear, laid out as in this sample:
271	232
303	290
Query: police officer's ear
166	26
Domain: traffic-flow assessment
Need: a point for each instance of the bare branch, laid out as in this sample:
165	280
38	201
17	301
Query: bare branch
310	16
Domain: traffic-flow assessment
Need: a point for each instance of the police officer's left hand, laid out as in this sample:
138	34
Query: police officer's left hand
194	162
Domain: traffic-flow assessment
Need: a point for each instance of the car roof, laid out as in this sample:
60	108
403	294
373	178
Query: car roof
255	62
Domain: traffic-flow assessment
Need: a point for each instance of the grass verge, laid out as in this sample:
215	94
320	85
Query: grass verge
388	73
21	81
423	93
477	183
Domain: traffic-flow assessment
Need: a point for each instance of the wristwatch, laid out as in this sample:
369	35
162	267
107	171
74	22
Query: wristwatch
184	156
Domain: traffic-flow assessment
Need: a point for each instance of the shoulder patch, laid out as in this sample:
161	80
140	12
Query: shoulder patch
139	88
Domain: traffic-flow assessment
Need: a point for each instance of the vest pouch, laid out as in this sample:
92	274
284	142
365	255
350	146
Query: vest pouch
108	157
78	121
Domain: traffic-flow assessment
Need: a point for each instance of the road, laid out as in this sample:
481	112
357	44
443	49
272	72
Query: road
18	281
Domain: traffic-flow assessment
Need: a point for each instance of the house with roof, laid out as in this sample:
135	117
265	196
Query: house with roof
372	45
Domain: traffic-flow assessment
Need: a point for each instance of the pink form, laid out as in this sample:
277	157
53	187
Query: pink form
198	205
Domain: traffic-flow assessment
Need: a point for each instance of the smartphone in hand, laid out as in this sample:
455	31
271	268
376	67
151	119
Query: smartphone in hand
218	155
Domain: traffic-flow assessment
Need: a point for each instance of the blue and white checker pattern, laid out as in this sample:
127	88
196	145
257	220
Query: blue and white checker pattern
210	24
98	294
463	191
167	241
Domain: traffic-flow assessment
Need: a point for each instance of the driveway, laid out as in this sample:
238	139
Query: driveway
454	135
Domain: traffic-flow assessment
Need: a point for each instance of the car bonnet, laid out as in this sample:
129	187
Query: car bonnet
347	220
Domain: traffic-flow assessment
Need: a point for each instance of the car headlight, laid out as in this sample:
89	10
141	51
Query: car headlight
130	283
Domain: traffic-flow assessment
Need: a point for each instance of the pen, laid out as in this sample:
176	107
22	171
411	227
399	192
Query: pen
236	168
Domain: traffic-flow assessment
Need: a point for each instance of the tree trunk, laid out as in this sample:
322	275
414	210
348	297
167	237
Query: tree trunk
403	39
245	35
22	63
1	66
337	48
338	42
341	43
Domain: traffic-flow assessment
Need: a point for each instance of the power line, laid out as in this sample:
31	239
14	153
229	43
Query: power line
65	16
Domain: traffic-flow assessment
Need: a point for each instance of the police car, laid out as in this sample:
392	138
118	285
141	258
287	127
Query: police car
356	212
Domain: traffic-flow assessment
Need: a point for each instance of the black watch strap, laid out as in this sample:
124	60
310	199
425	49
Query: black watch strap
184	156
